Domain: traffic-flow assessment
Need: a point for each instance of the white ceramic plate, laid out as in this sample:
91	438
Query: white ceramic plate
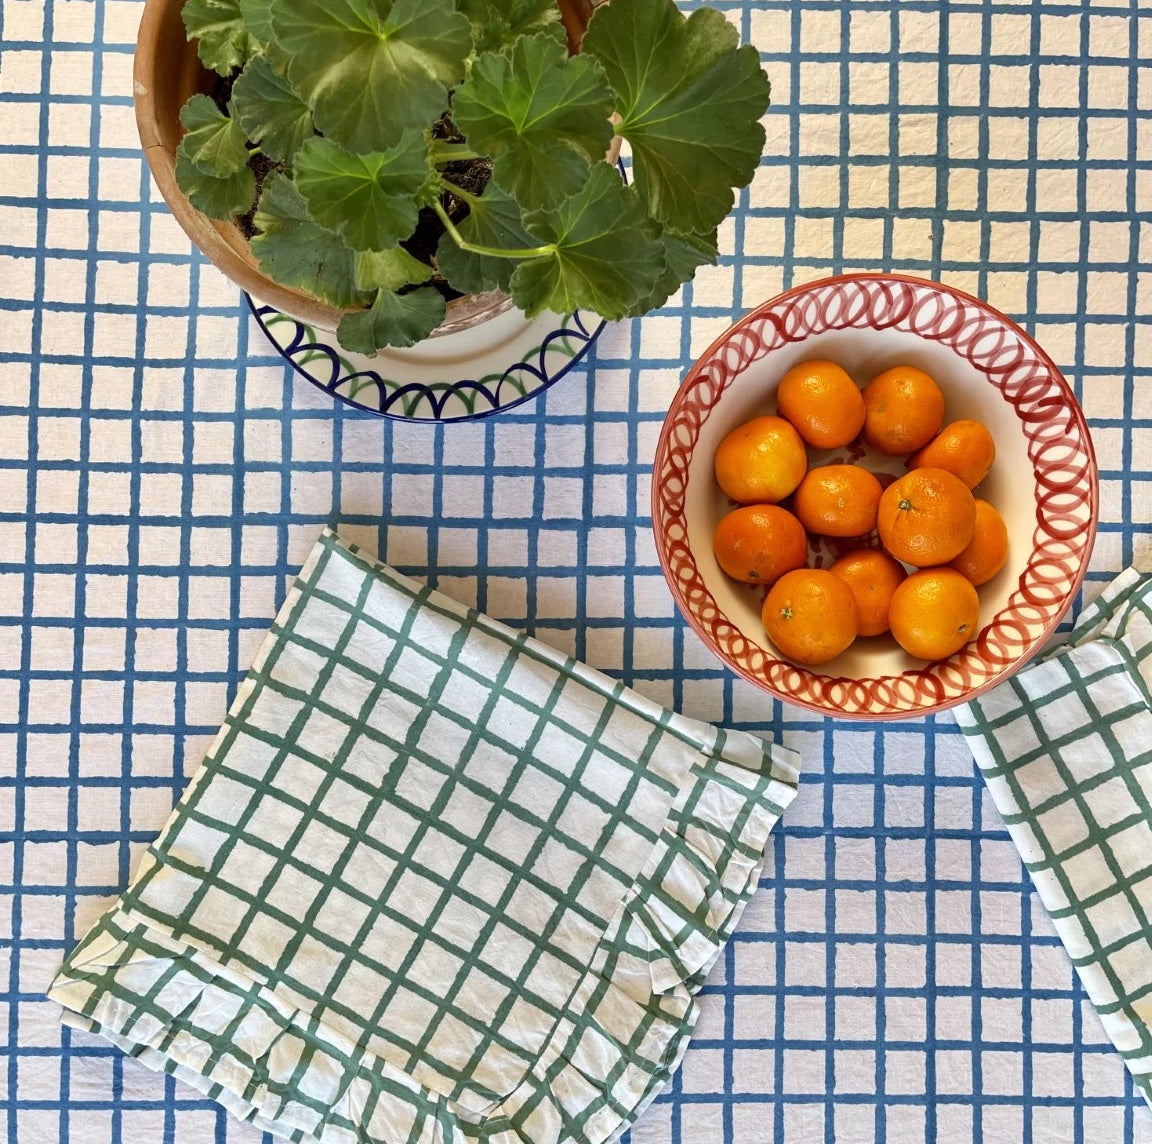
456	377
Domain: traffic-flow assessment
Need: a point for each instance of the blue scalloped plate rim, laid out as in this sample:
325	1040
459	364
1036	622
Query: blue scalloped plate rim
436	394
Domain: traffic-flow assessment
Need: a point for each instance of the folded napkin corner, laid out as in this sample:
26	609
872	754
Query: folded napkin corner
435	881
1065	747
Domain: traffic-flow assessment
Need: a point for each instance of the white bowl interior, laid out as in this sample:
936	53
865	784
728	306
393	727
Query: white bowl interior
1009	487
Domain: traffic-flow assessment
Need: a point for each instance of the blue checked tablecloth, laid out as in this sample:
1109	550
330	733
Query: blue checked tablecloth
162	477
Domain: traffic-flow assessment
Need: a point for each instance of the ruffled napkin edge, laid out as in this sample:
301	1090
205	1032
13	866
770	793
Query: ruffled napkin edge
651	960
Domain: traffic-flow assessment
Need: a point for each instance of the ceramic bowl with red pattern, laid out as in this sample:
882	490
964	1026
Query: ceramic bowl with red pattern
1043	483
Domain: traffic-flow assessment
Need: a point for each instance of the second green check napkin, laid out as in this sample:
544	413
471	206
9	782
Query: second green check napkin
435	883
1066	749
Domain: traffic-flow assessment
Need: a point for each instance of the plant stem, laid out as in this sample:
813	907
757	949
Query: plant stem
452	153
460	192
491	251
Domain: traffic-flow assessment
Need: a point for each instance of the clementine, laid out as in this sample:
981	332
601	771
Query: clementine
759	543
926	517
761	461
873	576
934	613
838	500
810	615
965	448
823	402
903	410
988	552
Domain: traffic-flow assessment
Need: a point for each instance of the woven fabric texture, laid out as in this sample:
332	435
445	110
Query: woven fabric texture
163	477
434	882
1066	749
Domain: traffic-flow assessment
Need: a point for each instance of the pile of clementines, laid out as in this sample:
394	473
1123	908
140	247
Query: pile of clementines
927	519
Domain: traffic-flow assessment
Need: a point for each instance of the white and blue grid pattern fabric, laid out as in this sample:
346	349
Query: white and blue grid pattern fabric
162	477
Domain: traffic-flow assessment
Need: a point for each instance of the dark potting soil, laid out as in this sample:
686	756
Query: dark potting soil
260	166
222	90
470	175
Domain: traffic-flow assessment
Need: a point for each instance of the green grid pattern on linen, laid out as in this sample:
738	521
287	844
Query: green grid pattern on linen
1066	750
435	881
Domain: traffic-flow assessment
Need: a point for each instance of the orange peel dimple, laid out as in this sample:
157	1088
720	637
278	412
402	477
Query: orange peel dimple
927	517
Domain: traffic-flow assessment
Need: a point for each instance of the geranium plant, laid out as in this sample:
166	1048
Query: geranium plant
344	133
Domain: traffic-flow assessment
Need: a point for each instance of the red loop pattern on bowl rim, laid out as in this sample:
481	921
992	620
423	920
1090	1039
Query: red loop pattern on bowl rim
1059	447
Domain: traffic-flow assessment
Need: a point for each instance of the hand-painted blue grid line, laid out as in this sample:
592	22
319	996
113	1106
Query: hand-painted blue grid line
161	478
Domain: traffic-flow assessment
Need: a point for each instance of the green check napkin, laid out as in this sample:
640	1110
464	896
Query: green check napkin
434	883
1066	749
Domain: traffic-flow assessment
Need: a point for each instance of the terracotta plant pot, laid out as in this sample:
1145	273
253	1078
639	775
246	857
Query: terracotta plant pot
167	71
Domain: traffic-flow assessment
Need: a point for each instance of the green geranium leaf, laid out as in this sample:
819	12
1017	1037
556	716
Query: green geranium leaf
540	114
370	198
257	20
684	254
218	27
394	320
497	23
690	101
294	251
218	197
372	69
214	144
544	176
606	253
270	112
493	220
390	269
